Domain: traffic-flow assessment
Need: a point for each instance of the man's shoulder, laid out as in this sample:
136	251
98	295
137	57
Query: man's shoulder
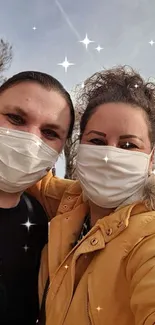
51	192
54	187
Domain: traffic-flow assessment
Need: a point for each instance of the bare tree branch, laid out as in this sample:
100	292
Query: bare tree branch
6	55
71	146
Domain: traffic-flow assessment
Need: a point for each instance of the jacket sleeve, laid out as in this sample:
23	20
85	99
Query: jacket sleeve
141	276
49	192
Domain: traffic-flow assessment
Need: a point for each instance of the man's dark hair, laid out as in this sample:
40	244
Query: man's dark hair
45	80
118	85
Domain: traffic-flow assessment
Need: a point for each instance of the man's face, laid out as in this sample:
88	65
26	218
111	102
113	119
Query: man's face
29	107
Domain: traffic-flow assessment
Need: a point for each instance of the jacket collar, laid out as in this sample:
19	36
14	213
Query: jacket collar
105	230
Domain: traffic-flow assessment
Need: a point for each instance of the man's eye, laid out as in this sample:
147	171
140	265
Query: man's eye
50	134
128	145
15	119
97	142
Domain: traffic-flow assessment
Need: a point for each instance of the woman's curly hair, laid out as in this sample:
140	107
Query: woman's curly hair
119	84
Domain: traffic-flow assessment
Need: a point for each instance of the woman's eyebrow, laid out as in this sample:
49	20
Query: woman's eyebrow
124	136
127	136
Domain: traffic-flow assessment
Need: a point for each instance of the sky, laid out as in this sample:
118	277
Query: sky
44	32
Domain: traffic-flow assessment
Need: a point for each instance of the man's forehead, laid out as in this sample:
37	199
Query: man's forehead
32	91
32	96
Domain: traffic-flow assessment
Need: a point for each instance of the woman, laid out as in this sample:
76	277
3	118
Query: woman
101	252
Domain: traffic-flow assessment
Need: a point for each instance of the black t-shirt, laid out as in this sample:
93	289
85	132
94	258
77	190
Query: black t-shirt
20	250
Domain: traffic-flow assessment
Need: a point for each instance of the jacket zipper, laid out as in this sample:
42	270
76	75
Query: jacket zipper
47	290
89	319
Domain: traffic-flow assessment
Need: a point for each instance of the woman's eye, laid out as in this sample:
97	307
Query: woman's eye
98	142
128	145
15	119
50	134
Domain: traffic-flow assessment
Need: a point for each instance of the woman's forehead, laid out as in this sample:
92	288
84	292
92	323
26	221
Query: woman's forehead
118	117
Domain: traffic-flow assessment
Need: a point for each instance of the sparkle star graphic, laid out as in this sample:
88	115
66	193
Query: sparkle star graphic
82	85
99	308
99	48
28	224
66	267
38	143
86	41
26	248
34	28
151	42
66	64
136	86
106	159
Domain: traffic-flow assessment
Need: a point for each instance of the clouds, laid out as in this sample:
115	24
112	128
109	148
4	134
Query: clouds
123	28
124	31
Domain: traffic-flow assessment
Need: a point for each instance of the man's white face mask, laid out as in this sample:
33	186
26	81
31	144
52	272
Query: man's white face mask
111	176
24	159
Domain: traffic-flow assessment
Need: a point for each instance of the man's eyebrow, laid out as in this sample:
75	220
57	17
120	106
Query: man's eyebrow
19	110
55	127
16	109
97	132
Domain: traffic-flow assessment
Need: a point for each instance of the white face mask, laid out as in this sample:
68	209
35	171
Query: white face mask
24	159
109	176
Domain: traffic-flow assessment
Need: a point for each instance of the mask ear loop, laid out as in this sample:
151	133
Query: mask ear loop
149	193
152	159
149	188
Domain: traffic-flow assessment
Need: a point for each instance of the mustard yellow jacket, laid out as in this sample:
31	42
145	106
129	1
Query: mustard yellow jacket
109	277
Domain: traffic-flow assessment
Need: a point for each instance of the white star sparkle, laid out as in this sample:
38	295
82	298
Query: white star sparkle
99	48
34	28
86	41
28	224
38	143
151	42
127	144
66	267
82	85
99	308
66	64
26	248
106	159
136	86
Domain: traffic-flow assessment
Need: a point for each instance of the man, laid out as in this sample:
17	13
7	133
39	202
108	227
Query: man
36	118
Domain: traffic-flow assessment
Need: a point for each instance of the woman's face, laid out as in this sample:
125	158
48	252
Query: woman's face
119	125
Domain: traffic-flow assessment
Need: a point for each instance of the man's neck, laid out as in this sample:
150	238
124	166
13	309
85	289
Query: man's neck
9	200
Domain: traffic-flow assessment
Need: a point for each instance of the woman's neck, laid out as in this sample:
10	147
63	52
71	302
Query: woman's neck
9	200
97	212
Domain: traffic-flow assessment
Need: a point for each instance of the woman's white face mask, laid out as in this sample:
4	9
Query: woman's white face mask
24	159
109	176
